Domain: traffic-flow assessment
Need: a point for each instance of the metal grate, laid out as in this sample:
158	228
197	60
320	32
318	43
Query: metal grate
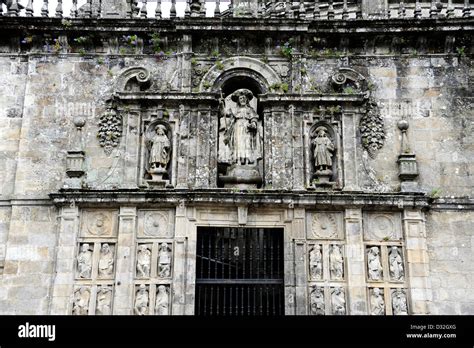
239	271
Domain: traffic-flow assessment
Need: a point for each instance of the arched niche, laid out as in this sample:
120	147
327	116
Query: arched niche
328	175
162	176
241	68
240	124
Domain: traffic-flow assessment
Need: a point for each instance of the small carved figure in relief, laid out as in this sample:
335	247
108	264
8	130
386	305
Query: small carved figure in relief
396	264
104	301
336	262
374	264
323	151
143	261
317	301
315	262
81	301
338	302
141	300
377	303
162	301
399	302
164	261
242	134
84	261
160	150
106	261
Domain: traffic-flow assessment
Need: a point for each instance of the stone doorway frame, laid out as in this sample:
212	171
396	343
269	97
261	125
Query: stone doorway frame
188	219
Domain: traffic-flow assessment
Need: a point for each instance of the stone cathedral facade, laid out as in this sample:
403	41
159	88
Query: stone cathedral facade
254	158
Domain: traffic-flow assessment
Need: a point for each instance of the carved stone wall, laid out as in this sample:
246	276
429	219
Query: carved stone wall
104	99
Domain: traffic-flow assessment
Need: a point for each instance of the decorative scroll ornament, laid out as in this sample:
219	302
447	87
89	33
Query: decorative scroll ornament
110	130
372	129
347	80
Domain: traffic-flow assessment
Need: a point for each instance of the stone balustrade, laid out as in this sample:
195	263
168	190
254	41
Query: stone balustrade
302	10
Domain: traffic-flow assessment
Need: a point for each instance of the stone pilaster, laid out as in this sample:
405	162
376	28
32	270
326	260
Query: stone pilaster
417	261
355	266
61	302
184	271
180	275
125	261
350	157
300	276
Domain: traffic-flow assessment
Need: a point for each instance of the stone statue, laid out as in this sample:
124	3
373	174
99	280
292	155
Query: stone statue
323	149
317	301
141	300
338	302
160	150
84	261
80	305
377	303
395	264
336	262
374	264
399	302
164	261
242	134
143	261
162	301
106	261
315	262
104	301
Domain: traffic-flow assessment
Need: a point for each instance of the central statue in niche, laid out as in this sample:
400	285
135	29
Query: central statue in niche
240	143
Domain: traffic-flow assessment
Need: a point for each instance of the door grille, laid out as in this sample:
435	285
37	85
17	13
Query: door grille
239	271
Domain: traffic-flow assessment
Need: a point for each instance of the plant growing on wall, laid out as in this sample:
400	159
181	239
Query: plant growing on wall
286	50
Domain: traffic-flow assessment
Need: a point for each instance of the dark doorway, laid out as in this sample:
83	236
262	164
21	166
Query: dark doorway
239	271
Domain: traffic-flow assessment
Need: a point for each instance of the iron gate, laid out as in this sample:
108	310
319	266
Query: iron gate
239	271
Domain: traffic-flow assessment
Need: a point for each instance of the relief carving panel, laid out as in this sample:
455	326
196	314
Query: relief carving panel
99	223
156	224
382	226
325	225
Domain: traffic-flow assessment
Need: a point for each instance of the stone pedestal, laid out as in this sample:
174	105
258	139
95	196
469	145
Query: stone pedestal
322	179
408	172
74	165
114	8
158	178
242	177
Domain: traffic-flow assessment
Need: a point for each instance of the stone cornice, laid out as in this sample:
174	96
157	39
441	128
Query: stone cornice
226	25
253	197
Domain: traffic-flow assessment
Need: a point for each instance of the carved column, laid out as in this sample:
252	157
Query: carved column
131	134
355	268
351	159
125	261
64	280
417	261
186	66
